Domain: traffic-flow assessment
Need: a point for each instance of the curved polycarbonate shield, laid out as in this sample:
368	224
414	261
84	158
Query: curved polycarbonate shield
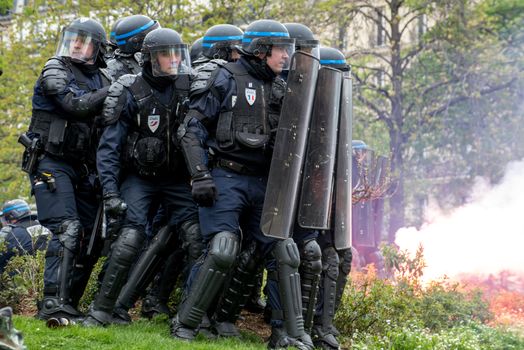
317	182
363	234
278	214
343	183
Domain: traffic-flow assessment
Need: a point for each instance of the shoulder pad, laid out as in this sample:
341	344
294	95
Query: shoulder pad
114	67
6	230
205	76
116	99
54	78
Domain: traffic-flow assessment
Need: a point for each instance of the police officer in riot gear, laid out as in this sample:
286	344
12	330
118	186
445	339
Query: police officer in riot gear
21	232
217	46
219	42
195	50
129	33
234	115
139	162
68	96
310	253
336	264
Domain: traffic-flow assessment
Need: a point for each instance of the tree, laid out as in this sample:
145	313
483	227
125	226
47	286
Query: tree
418	74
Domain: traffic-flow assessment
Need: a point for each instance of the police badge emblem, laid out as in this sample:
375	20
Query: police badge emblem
251	96
153	121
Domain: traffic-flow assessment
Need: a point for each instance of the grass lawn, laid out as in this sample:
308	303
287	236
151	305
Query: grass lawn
141	334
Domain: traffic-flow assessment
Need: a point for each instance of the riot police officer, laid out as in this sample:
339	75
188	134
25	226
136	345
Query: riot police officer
336	264
310	253
234	115
217	46
219	42
68	96
129	33
195	50
139	162
21	232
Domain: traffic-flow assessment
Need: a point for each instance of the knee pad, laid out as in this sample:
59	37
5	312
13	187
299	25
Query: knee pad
69	234
192	238
345	256
311	257
286	253
223	250
330	263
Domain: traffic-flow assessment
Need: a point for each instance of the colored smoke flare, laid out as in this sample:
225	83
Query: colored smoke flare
480	244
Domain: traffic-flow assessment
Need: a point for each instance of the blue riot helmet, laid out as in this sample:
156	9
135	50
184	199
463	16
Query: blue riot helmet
131	31
196	49
14	210
333	58
168	55
220	41
84	41
304	39
264	35
112	34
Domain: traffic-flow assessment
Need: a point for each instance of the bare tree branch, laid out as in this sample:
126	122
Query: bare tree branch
462	98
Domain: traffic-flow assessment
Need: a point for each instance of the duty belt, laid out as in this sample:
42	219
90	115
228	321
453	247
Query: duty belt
236	167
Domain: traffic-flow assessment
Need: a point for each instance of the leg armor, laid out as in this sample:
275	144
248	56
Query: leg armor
146	268
123	255
69	236
310	269
345	257
288	260
158	297
256	303
192	242
237	291
222	253
323	335
63	252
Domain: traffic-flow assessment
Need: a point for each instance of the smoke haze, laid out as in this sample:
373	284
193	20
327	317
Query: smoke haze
485	236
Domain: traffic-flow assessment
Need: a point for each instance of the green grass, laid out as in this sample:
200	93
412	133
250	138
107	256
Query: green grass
140	335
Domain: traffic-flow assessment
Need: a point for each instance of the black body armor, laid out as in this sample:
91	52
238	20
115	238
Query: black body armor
72	139
152	148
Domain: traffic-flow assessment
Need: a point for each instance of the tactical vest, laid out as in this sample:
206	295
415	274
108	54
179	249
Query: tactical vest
72	140
254	114
246	124
152	149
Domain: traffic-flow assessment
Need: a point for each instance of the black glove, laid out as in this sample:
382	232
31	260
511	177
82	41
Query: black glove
204	190
114	206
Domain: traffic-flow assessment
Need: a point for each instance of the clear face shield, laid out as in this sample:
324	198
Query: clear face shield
170	61
311	47
80	46
281	52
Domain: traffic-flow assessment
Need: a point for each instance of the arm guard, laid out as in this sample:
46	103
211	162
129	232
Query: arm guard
54	77
87	105
193	145
116	99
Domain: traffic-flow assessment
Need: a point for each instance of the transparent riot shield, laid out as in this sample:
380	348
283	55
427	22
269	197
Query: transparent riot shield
343	182
317	182
278	213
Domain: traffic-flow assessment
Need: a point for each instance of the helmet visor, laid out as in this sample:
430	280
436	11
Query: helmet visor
309	46
282	51
170	61
80	46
